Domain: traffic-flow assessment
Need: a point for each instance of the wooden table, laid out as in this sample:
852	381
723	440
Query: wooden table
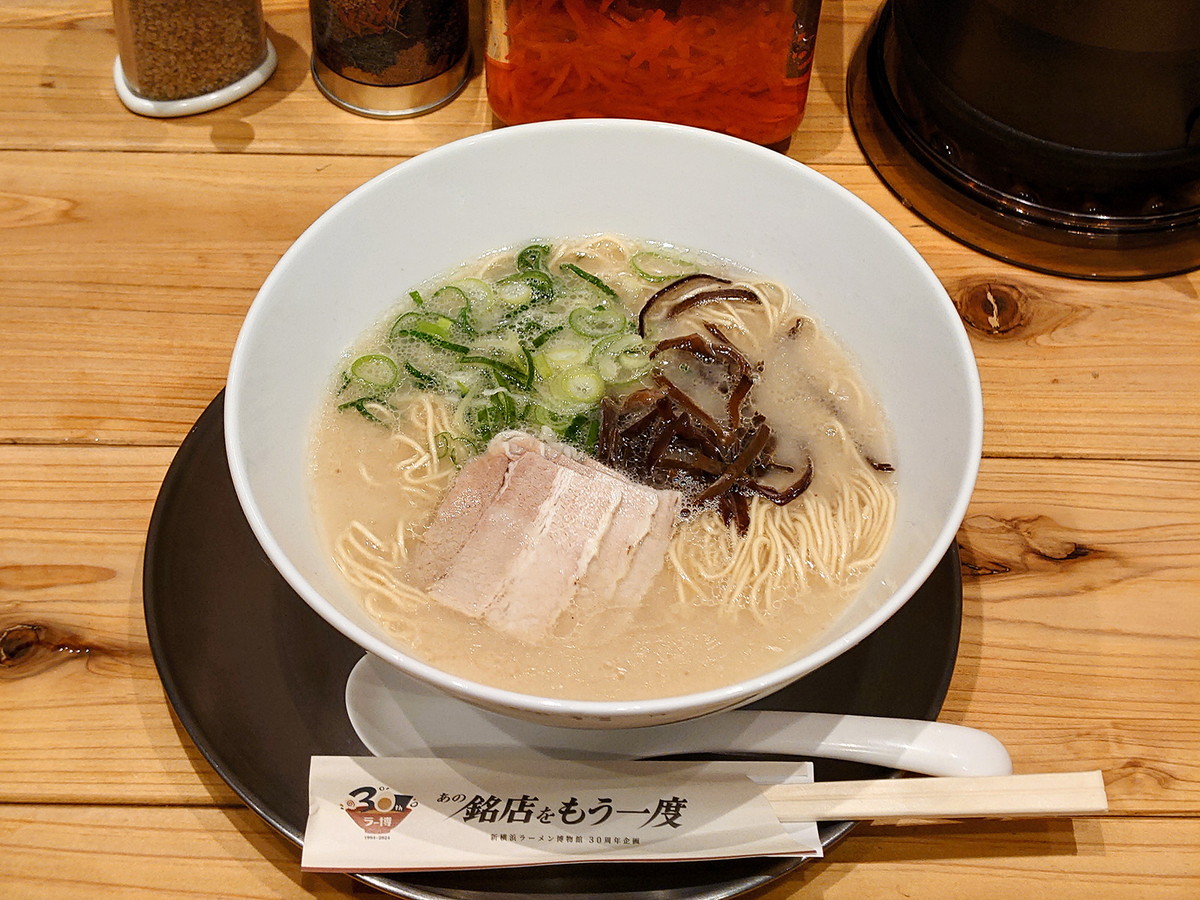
130	249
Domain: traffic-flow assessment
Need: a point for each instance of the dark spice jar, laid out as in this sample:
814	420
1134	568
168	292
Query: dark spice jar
389	58
178	57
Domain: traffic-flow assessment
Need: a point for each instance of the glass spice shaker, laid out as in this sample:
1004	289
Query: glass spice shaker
179	57
737	66
390	58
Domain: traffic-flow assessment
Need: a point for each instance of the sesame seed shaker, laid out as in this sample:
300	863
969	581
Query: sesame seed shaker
178	57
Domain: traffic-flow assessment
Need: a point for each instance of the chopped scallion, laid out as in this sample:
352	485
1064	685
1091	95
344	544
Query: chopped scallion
376	371
533	257
593	280
369	407
655	266
545	336
598	321
621	358
424	379
528	286
457	449
578	385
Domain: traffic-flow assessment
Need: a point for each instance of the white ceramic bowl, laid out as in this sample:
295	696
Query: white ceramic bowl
690	187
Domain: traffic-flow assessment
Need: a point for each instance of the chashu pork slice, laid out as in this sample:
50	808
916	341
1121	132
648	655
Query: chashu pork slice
648	556
634	547
640	529
519	566
467	499
516	443
562	544
469	494
529	528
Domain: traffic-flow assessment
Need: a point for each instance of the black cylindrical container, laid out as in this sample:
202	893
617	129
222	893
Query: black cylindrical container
1075	116
1061	96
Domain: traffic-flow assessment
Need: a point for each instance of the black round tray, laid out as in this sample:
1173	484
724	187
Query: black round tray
258	680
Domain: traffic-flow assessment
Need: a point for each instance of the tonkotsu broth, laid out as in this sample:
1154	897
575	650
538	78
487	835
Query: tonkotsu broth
678	640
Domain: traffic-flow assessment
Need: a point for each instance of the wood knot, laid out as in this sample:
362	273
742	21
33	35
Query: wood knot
1141	772
26	649
992	307
989	545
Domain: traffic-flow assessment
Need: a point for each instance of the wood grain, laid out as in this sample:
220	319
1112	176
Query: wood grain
131	249
174	852
82	712
1080	859
1081	635
122	304
59	95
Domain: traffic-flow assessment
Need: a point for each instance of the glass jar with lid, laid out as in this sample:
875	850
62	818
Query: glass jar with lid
737	66
178	57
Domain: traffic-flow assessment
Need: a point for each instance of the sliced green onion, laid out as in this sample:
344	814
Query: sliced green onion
577	385
506	356
559	355
593	280
515	293
489	413
598	321
453	300
621	358
431	323
540	414
529	286
529	349
583	431
424	379
464	321
655	266
514	376
437	342
458	450
450	297
368	407
376	371
430	327
530	369
545	336
478	291
533	257
464	382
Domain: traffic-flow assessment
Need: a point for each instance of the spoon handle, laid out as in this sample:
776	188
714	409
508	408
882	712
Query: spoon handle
1044	794
396	716
911	745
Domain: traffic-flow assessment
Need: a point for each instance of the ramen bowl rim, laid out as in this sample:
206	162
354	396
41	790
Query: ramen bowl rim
594	713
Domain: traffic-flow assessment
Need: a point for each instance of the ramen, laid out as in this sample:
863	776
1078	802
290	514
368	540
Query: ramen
602	469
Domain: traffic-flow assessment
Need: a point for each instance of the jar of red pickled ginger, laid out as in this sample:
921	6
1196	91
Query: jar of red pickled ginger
736	66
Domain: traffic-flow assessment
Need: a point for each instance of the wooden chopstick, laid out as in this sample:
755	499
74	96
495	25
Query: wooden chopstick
997	795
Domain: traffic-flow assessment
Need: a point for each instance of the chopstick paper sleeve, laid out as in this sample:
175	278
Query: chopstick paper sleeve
369	814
